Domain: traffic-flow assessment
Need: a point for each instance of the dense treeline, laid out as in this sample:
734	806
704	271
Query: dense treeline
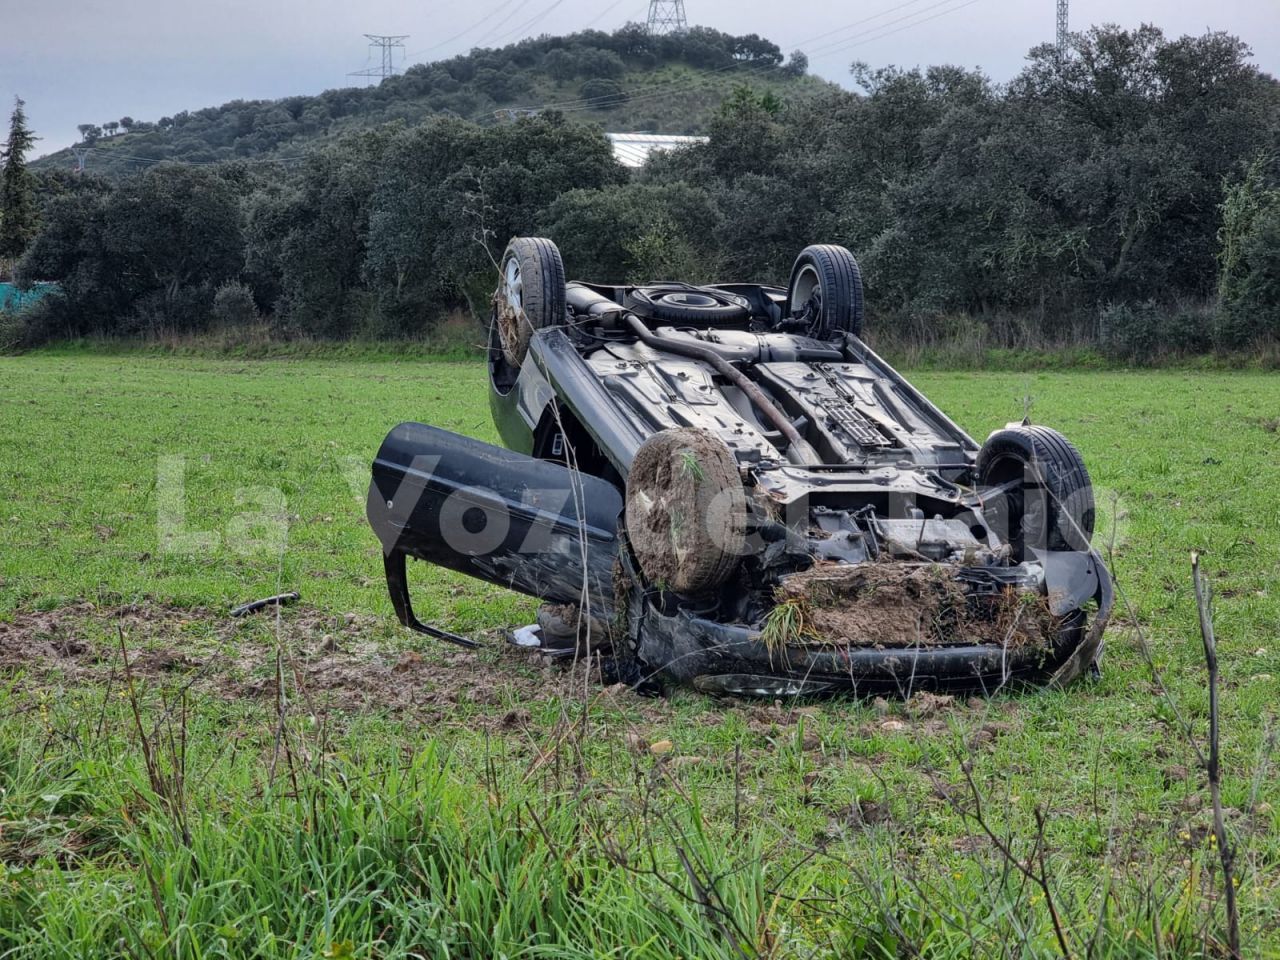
591	73
1127	195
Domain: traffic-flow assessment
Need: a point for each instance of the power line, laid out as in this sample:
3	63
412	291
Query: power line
387	46
828	34
858	39
518	32
826	49
667	16
914	23
462	33
115	155
604	13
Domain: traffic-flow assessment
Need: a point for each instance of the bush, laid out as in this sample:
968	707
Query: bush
13	332
1145	331
603	94
234	306
161	314
1191	329
1130	331
661	253
47	320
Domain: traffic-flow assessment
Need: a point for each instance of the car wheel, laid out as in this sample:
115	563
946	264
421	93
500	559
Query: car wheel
826	288
704	306
686	510
1037	490
530	294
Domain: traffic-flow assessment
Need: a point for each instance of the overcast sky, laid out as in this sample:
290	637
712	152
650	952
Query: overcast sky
81	61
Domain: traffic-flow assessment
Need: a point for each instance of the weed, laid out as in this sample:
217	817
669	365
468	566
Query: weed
691	467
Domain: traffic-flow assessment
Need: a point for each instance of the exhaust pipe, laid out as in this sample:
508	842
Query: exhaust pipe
490	513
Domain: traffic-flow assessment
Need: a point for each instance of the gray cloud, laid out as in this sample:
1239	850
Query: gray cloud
86	61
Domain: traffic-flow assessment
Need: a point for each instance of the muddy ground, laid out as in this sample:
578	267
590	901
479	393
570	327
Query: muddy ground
346	662
354	663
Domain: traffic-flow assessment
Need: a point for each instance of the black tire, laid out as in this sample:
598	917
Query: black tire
826	286
686	510
530	295
703	306
1048	499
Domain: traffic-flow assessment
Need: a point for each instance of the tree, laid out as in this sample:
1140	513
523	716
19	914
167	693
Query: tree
1132	136
149	251
449	195
1249	258
603	94
561	65
628	231
798	65
753	49
18	214
128	123
594	62
744	135
111	126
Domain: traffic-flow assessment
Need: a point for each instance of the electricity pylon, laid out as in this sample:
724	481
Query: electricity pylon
387	46
667	16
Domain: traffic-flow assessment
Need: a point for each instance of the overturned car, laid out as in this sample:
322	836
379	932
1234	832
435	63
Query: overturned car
734	491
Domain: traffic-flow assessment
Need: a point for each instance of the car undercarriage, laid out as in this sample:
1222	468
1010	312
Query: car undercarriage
732	490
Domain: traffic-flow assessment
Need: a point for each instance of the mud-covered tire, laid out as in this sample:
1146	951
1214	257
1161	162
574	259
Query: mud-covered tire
826	282
686	510
530	294
1053	507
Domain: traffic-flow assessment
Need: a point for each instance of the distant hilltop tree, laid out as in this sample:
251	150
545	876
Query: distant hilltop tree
798	64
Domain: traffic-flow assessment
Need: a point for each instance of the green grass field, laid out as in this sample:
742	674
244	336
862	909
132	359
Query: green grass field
323	784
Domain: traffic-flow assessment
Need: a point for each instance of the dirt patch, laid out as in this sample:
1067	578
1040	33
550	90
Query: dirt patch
80	641
890	605
348	662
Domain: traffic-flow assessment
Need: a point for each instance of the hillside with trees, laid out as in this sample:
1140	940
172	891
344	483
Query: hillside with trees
624	81
1126	197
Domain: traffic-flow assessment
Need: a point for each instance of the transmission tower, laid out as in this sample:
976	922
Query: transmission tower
667	16
81	154
1062	29
387	47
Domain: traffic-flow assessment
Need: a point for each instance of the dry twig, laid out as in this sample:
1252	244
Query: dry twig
1213	762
